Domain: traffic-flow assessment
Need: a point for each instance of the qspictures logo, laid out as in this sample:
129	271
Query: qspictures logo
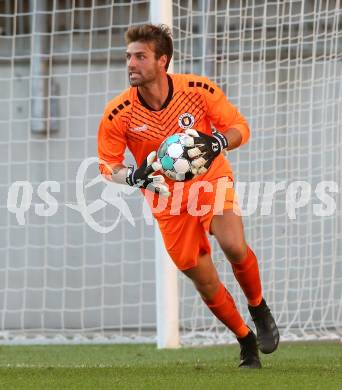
251	197
20	195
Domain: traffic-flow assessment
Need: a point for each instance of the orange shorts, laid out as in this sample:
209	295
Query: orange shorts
185	235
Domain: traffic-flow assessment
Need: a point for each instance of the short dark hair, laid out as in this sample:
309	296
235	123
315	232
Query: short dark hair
160	35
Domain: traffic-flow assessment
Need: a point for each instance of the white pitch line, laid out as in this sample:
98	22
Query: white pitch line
23	365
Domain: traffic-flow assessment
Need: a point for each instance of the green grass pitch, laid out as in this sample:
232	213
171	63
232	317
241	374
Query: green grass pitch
315	365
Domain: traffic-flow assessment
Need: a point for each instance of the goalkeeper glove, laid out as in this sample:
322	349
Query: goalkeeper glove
205	149
143	176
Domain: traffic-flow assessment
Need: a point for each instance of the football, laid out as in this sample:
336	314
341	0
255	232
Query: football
173	157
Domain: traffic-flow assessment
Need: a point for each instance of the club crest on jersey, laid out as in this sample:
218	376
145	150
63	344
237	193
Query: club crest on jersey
186	121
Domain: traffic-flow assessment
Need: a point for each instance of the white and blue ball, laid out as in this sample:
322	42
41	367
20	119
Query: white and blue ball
173	157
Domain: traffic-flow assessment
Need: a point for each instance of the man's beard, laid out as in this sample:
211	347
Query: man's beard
141	81
136	83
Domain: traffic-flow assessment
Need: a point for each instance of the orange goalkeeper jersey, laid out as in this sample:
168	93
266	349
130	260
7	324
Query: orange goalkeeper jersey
193	102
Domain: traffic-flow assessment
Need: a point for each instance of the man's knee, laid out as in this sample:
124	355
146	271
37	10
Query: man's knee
235	251
204	276
207	289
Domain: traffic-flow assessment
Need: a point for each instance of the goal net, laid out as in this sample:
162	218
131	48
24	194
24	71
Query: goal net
77	255
280	62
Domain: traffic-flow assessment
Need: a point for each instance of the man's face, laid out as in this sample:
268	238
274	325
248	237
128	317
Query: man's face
142	65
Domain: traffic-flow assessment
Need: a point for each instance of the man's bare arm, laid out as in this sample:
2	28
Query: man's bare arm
234	138
119	174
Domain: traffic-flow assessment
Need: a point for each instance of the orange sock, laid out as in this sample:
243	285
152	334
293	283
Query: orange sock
223	307
247	274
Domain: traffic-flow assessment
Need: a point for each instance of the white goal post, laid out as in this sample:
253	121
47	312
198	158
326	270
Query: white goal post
81	261
167	304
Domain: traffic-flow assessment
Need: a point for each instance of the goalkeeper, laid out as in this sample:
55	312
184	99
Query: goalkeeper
159	104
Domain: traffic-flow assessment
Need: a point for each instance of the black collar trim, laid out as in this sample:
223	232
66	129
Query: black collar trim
167	101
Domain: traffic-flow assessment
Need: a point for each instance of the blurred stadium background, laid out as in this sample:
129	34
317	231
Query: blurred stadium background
280	62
